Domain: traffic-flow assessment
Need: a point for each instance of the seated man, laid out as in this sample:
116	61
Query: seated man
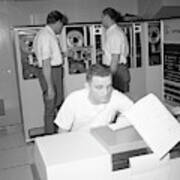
96	105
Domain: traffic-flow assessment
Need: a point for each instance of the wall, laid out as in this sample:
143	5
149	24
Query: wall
8	81
19	12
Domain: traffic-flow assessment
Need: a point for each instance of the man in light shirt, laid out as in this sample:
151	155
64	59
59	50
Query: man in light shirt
115	49
96	105
50	61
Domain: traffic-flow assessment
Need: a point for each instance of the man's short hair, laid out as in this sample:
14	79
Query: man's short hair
55	16
97	70
113	14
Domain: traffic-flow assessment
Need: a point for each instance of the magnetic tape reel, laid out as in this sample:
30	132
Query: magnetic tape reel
26	43
154	34
74	39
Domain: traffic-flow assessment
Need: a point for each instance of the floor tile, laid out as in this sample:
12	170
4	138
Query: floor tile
14	157
17	173
11	141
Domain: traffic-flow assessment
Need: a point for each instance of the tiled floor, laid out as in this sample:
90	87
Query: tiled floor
16	157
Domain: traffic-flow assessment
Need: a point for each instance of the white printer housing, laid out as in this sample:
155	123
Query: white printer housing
148	150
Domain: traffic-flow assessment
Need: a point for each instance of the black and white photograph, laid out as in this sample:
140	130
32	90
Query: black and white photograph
89	90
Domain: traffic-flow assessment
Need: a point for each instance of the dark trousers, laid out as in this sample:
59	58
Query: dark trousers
52	106
121	78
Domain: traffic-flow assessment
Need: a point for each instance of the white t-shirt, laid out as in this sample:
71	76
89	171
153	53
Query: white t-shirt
46	46
78	114
115	42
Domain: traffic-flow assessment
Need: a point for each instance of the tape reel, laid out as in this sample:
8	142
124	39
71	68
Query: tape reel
74	39
26	44
154	34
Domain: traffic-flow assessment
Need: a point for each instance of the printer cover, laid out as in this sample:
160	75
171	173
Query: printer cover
157	126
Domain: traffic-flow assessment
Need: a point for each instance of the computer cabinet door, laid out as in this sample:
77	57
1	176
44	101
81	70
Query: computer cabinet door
9	99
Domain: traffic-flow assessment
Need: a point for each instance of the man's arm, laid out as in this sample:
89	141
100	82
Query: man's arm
65	116
114	62
46	67
125	103
122	122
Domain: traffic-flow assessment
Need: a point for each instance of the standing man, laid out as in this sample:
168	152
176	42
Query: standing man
50	61
116	49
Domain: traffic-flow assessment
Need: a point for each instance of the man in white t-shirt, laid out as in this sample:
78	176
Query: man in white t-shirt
96	105
50	61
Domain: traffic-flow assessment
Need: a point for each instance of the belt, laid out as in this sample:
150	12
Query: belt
57	66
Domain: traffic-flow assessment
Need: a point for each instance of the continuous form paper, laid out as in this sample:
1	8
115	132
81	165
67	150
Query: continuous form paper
157	126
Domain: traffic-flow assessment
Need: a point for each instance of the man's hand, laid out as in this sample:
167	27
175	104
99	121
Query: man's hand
47	75
60	130
50	94
114	62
